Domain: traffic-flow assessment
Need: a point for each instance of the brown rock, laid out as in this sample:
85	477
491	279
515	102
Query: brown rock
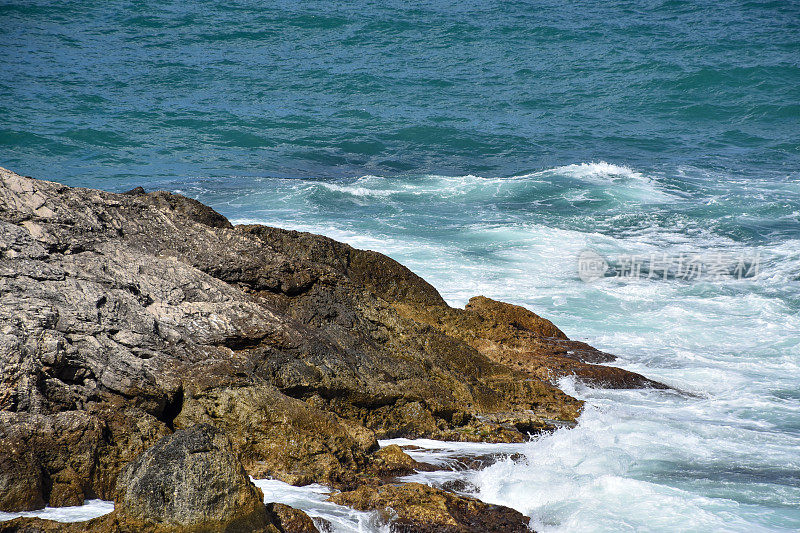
282	437
37	525
20	477
290	520
391	461
417	508
522	340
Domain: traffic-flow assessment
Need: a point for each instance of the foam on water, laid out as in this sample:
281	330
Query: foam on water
722	458
312	499
655	461
77	513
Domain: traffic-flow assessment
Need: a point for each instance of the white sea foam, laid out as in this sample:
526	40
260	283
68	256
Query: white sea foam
620	181
77	513
313	500
601	171
363	186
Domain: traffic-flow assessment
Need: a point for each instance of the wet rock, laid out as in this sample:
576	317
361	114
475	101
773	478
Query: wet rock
391	461
290	520
417	508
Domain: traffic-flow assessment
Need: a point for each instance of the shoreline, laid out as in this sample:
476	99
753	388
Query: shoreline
145	315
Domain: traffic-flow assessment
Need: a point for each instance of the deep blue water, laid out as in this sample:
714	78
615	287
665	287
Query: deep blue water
487	145
126	92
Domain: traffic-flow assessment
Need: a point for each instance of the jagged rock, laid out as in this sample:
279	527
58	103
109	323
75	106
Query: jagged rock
124	317
417	508
514	336
282	437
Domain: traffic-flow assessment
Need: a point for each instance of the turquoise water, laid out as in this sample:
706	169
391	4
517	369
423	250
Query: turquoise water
486	146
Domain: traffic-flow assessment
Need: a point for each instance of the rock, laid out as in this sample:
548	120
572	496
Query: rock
417	508
282	437
36	525
281	519
290	520
20	478
125	317
391	461
69	456
516	337
189	481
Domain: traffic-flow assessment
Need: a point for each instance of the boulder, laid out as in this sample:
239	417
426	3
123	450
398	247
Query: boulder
189	481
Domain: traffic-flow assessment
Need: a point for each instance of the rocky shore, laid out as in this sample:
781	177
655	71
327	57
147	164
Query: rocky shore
155	355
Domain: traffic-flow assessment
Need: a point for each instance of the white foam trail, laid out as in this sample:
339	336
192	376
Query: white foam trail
313	500
357	190
620	181
599	476
77	513
442	453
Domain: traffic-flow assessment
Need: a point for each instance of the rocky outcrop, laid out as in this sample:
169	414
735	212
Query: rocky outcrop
126	317
514	336
417	508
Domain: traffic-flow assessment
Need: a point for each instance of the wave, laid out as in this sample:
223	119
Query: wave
313	500
600	170
575	183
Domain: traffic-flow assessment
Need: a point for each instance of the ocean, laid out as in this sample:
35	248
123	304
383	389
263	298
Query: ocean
489	146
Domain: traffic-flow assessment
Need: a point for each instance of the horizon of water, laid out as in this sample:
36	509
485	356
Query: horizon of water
487	146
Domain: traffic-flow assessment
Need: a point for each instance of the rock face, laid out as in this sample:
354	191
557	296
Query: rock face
126	317
417	508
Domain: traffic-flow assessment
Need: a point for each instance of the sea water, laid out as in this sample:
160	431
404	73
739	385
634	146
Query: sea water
489	146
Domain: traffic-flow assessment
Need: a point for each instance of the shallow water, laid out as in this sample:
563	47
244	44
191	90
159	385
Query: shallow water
487	146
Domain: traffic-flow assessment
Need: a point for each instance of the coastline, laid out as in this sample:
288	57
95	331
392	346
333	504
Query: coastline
139	315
